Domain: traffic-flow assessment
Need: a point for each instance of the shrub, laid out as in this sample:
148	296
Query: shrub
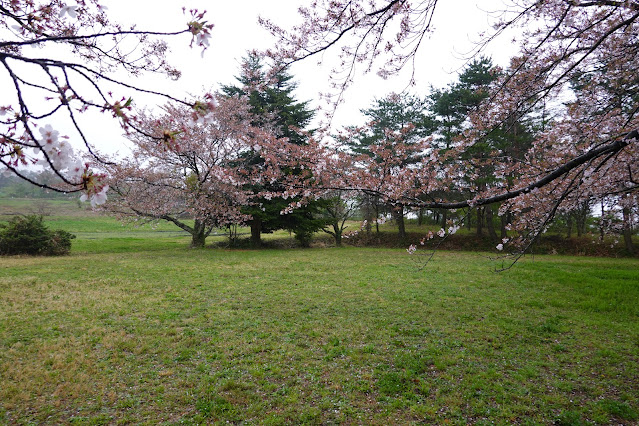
304	237
29	235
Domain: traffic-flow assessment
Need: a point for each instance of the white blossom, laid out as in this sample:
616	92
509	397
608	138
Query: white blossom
72	11
98	198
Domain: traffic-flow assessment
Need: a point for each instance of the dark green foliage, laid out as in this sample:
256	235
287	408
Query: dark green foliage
60	242
29	235
272	100
273	104
397	120
304	222
451	106
394	113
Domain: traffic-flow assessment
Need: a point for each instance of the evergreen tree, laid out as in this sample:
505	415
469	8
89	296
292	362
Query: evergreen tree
393	113
273	104
396	113
451	108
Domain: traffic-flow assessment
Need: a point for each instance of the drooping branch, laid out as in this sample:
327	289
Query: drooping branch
606	149
87	32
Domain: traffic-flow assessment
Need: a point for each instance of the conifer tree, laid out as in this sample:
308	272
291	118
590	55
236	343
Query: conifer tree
273	105
403	114
451	109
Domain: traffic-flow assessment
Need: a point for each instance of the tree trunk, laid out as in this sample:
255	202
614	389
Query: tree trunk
627	230
198	236
480	221
444	218
569	225
504	222
420	217
580	228
582	215
368	214
489	223
581	223
337	234
398	212
198	240
602	223
256	232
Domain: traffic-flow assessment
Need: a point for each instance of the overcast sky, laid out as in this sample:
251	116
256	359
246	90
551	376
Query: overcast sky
236	31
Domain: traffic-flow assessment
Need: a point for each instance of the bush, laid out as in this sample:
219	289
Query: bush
304	237
29	235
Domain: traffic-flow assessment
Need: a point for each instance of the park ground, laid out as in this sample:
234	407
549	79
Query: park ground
135	327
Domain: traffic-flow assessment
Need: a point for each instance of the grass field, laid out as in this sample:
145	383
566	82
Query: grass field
136	328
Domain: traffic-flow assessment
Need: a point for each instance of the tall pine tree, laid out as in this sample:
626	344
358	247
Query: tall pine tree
397	113
451	108
273	104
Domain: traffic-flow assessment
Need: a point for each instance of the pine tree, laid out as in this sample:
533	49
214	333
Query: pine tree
396	113
451	108
273	104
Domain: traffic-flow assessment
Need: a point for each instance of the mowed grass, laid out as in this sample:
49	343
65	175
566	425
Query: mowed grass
144	330
95	228
78	218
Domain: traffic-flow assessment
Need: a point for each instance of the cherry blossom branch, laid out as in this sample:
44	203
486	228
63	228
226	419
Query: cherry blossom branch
44	24
609	148
625	4
58	39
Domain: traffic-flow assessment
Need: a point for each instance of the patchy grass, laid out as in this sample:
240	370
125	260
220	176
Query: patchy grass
145	330
135	327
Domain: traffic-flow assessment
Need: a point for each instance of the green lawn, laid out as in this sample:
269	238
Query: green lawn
89	226
144	330
134	327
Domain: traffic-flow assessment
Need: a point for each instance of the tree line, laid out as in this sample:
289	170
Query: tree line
548	136
399	133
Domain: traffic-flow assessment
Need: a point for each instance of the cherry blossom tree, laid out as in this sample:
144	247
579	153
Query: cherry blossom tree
390	142
196	177
58	61
193	179
577	61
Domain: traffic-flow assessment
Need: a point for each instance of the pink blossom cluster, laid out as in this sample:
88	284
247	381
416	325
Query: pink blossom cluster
68	87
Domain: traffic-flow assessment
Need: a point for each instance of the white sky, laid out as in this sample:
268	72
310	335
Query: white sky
236	31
